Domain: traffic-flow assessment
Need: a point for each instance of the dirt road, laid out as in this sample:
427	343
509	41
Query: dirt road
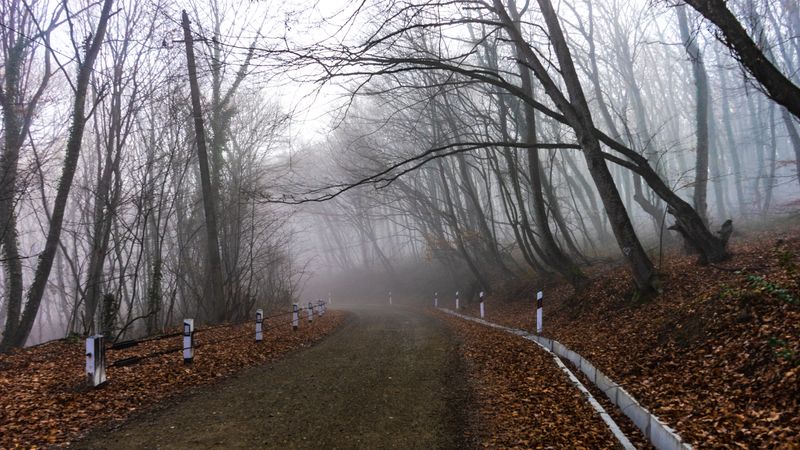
390	378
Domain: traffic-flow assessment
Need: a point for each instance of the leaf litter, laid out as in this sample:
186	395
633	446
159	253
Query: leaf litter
45	400
716	355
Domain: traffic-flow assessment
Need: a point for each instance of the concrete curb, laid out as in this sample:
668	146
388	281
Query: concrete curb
660	435
615	430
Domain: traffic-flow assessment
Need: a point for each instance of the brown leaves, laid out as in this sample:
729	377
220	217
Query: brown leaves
524	400
44	400
716	355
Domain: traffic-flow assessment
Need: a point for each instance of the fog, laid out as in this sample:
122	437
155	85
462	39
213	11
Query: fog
356	149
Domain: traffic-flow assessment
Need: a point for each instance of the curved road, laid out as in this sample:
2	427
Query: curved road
389	378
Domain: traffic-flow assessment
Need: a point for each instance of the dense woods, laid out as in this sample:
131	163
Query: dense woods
511	139
109	236
487	141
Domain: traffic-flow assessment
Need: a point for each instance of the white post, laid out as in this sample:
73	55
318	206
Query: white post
539	312
95	360
295	316
321	306
259	323
435	299
456	299
188	340
310	313
390	297
330	299
481	295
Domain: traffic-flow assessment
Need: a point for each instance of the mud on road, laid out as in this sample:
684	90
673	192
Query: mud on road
389	378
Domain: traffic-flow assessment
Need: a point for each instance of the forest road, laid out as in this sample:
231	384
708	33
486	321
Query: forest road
388	378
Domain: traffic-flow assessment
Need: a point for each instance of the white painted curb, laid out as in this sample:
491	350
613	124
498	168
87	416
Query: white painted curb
660	435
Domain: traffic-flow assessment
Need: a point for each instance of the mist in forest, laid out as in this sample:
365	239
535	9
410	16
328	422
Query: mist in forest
204	159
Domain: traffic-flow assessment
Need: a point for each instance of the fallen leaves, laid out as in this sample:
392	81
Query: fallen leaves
524	400
715	356
45	400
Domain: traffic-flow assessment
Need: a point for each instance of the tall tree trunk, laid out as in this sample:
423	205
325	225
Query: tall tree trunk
519	217
16	336
587	198
214	290
792	10
769	182
553	254
794	138
105	204
750	56
733	149
9	163
18	113
701	115
755	107
715	166
576	112
476	210
453	219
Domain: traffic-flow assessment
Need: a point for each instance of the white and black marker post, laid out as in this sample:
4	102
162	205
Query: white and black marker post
330	299
390	297
310	312
539	312
188	340
95	360
481	296
435	299
321	307
259	324
295	316
457	306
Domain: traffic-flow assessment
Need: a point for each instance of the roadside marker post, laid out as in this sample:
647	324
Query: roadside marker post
539	312
481	295
259	324
295	316
95	360
321	306
310	312
435	299
188	341
330	299
457	306
390	297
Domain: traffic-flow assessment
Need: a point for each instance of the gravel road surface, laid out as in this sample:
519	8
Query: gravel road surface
389	378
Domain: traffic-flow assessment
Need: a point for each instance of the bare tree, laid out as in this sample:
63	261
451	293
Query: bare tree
18	328
750	56
701	112
215	290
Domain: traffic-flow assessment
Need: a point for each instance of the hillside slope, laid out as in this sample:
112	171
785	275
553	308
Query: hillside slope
716	355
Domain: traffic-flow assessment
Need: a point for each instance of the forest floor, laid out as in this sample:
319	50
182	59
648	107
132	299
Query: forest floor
716	355
391	377
384	377
44	400
521	398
